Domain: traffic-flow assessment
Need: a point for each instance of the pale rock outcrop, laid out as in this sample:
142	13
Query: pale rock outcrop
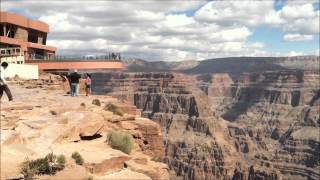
41	121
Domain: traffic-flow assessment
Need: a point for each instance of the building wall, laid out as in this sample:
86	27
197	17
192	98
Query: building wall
25	33
22	34
23	71
13	18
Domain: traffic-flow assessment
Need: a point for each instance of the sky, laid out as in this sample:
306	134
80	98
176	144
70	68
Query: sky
176	30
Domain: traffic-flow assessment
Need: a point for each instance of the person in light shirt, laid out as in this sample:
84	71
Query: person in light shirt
3	84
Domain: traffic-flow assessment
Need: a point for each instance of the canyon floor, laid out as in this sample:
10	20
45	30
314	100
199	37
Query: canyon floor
43	119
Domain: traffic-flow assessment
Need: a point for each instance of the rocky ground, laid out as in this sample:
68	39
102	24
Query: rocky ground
44	119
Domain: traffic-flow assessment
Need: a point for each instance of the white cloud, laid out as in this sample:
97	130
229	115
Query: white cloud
59	23
298	11
303	26
157	30
256	45
232	13
294	53
297	37
300	18
175	20
237	34
273	18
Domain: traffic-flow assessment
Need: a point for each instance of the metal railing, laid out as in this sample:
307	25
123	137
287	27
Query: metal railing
78	58
10	52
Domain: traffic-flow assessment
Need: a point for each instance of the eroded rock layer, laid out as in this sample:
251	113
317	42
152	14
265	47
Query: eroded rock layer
216	126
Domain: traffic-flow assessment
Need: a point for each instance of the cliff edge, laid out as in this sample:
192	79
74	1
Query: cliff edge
42	119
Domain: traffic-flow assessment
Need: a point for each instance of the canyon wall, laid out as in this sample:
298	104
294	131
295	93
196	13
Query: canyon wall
258	125
276	118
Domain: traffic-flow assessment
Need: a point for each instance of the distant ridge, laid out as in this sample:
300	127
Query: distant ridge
232	65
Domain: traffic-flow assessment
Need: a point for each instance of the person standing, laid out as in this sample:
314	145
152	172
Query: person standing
3	84
88	84
74	79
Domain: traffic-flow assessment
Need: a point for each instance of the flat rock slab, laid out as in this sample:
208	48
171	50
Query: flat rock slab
111	165
70	173
123	175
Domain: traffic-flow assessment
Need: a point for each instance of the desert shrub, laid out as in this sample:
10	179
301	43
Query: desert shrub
41	166
26	170
78	158
83	105
47	165
53	112
50	157
115	109
96	102
61	161
121	141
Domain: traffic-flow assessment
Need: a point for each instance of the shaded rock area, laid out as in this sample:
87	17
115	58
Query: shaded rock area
256	125
43	119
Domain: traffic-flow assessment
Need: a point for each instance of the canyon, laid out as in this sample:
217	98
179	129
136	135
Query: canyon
232	118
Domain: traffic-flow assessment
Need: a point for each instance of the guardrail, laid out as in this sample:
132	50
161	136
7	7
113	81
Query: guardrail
74	58
109	57
10	52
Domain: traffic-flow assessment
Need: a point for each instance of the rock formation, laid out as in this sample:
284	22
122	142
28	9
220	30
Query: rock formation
43	119
258	125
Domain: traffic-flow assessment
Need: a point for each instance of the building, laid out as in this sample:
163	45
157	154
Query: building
23	39
23	44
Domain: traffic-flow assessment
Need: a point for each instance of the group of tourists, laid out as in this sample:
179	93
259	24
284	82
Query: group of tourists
75	80
114	56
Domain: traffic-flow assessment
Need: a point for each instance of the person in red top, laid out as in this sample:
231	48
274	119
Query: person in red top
88	84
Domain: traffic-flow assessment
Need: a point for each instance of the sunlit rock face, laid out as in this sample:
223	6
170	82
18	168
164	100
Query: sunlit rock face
43	119
261	124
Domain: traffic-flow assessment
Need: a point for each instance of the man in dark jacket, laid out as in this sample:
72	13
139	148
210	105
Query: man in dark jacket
74	79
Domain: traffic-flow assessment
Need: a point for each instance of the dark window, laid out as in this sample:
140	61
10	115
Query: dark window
33	36
1	29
